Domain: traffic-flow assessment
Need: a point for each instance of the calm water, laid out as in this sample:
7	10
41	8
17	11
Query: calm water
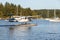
44	30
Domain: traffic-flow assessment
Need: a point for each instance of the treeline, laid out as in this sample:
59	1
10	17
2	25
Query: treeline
10	9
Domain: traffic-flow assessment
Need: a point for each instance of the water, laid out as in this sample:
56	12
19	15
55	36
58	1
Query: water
44	30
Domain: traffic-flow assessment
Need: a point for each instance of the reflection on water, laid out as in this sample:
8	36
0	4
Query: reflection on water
4	33
21	33
45	30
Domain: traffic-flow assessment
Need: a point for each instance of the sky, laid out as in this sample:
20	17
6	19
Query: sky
35	4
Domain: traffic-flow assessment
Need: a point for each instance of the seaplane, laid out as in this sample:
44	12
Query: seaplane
19	19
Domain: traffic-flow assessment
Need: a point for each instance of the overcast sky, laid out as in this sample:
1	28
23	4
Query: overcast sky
36	4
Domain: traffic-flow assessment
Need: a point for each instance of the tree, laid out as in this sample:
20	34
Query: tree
1	9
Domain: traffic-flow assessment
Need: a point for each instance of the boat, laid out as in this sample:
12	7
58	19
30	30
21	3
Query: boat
47	16
19	19
55	19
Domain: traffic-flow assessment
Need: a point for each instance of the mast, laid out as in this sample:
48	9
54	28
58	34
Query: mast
48	13
54	13
21	13
17	11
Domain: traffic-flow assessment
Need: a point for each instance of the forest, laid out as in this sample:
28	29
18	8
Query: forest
10	9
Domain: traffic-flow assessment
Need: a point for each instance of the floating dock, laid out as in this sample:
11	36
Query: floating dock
22	25
25	25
